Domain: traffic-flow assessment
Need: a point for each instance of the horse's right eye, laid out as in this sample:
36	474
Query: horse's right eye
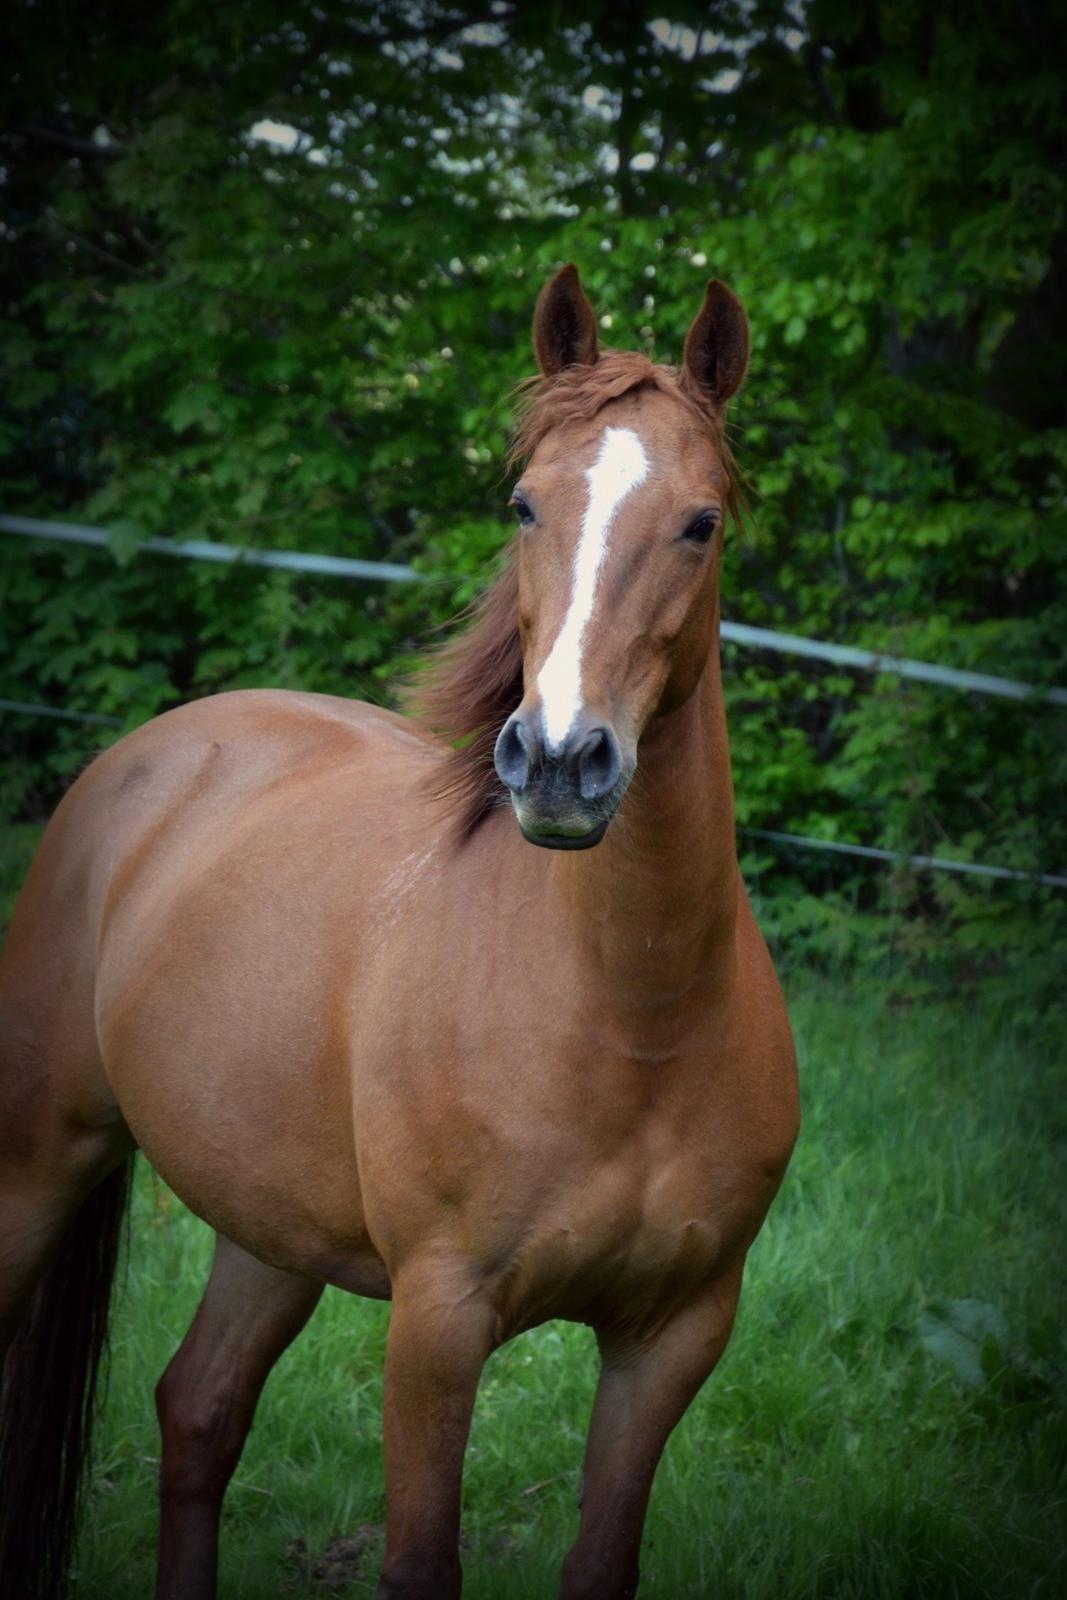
521	510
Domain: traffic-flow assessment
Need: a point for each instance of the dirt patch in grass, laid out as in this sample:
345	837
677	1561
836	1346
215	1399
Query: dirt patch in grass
340	1563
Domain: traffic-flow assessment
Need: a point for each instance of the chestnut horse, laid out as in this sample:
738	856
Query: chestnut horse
299	951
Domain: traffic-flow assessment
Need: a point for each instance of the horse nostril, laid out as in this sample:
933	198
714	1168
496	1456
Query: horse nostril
599	763
511	756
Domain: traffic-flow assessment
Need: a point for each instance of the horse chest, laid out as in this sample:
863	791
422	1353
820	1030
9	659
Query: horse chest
621	1237
576	1170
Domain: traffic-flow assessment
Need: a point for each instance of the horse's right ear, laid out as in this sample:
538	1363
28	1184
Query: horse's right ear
564	325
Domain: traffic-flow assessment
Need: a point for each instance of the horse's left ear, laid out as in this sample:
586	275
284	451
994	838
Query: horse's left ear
716	346
564	325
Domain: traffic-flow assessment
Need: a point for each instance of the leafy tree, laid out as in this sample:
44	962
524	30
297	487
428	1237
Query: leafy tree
268	279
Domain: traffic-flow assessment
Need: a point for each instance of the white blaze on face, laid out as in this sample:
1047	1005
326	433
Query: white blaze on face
620	466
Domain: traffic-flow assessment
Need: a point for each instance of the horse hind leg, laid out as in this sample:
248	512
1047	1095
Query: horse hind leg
64	1184
206	1400
63	1197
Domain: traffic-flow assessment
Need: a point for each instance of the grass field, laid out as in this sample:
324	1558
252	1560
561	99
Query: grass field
888	1421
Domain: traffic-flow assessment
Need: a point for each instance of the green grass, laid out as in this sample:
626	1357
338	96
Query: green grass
856	1441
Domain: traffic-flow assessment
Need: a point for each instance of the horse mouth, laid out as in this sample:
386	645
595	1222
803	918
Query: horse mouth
557	820
557	840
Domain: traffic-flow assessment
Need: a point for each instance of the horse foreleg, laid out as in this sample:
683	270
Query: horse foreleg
440	1333
645	1386
206	1400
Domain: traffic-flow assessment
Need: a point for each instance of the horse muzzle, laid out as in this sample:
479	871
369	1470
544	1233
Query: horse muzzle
564	798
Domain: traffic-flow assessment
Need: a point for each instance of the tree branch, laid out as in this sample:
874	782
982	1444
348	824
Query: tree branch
70	141
94	249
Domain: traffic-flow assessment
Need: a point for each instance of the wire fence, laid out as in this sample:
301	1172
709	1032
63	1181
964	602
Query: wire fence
392	572
350	568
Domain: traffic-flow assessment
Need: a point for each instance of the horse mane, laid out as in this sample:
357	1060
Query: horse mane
469	686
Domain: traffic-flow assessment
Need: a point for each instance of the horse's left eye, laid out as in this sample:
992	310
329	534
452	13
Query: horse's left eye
521	510
701	528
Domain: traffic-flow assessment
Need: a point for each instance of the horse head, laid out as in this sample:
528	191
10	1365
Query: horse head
621	508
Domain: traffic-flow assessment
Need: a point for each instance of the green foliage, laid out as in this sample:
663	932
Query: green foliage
268	279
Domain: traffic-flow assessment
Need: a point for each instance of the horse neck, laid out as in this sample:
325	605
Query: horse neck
654	906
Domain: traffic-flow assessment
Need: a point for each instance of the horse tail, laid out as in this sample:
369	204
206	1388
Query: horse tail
48	1395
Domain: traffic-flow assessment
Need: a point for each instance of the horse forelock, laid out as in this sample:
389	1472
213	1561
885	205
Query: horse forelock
578	393
471	684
